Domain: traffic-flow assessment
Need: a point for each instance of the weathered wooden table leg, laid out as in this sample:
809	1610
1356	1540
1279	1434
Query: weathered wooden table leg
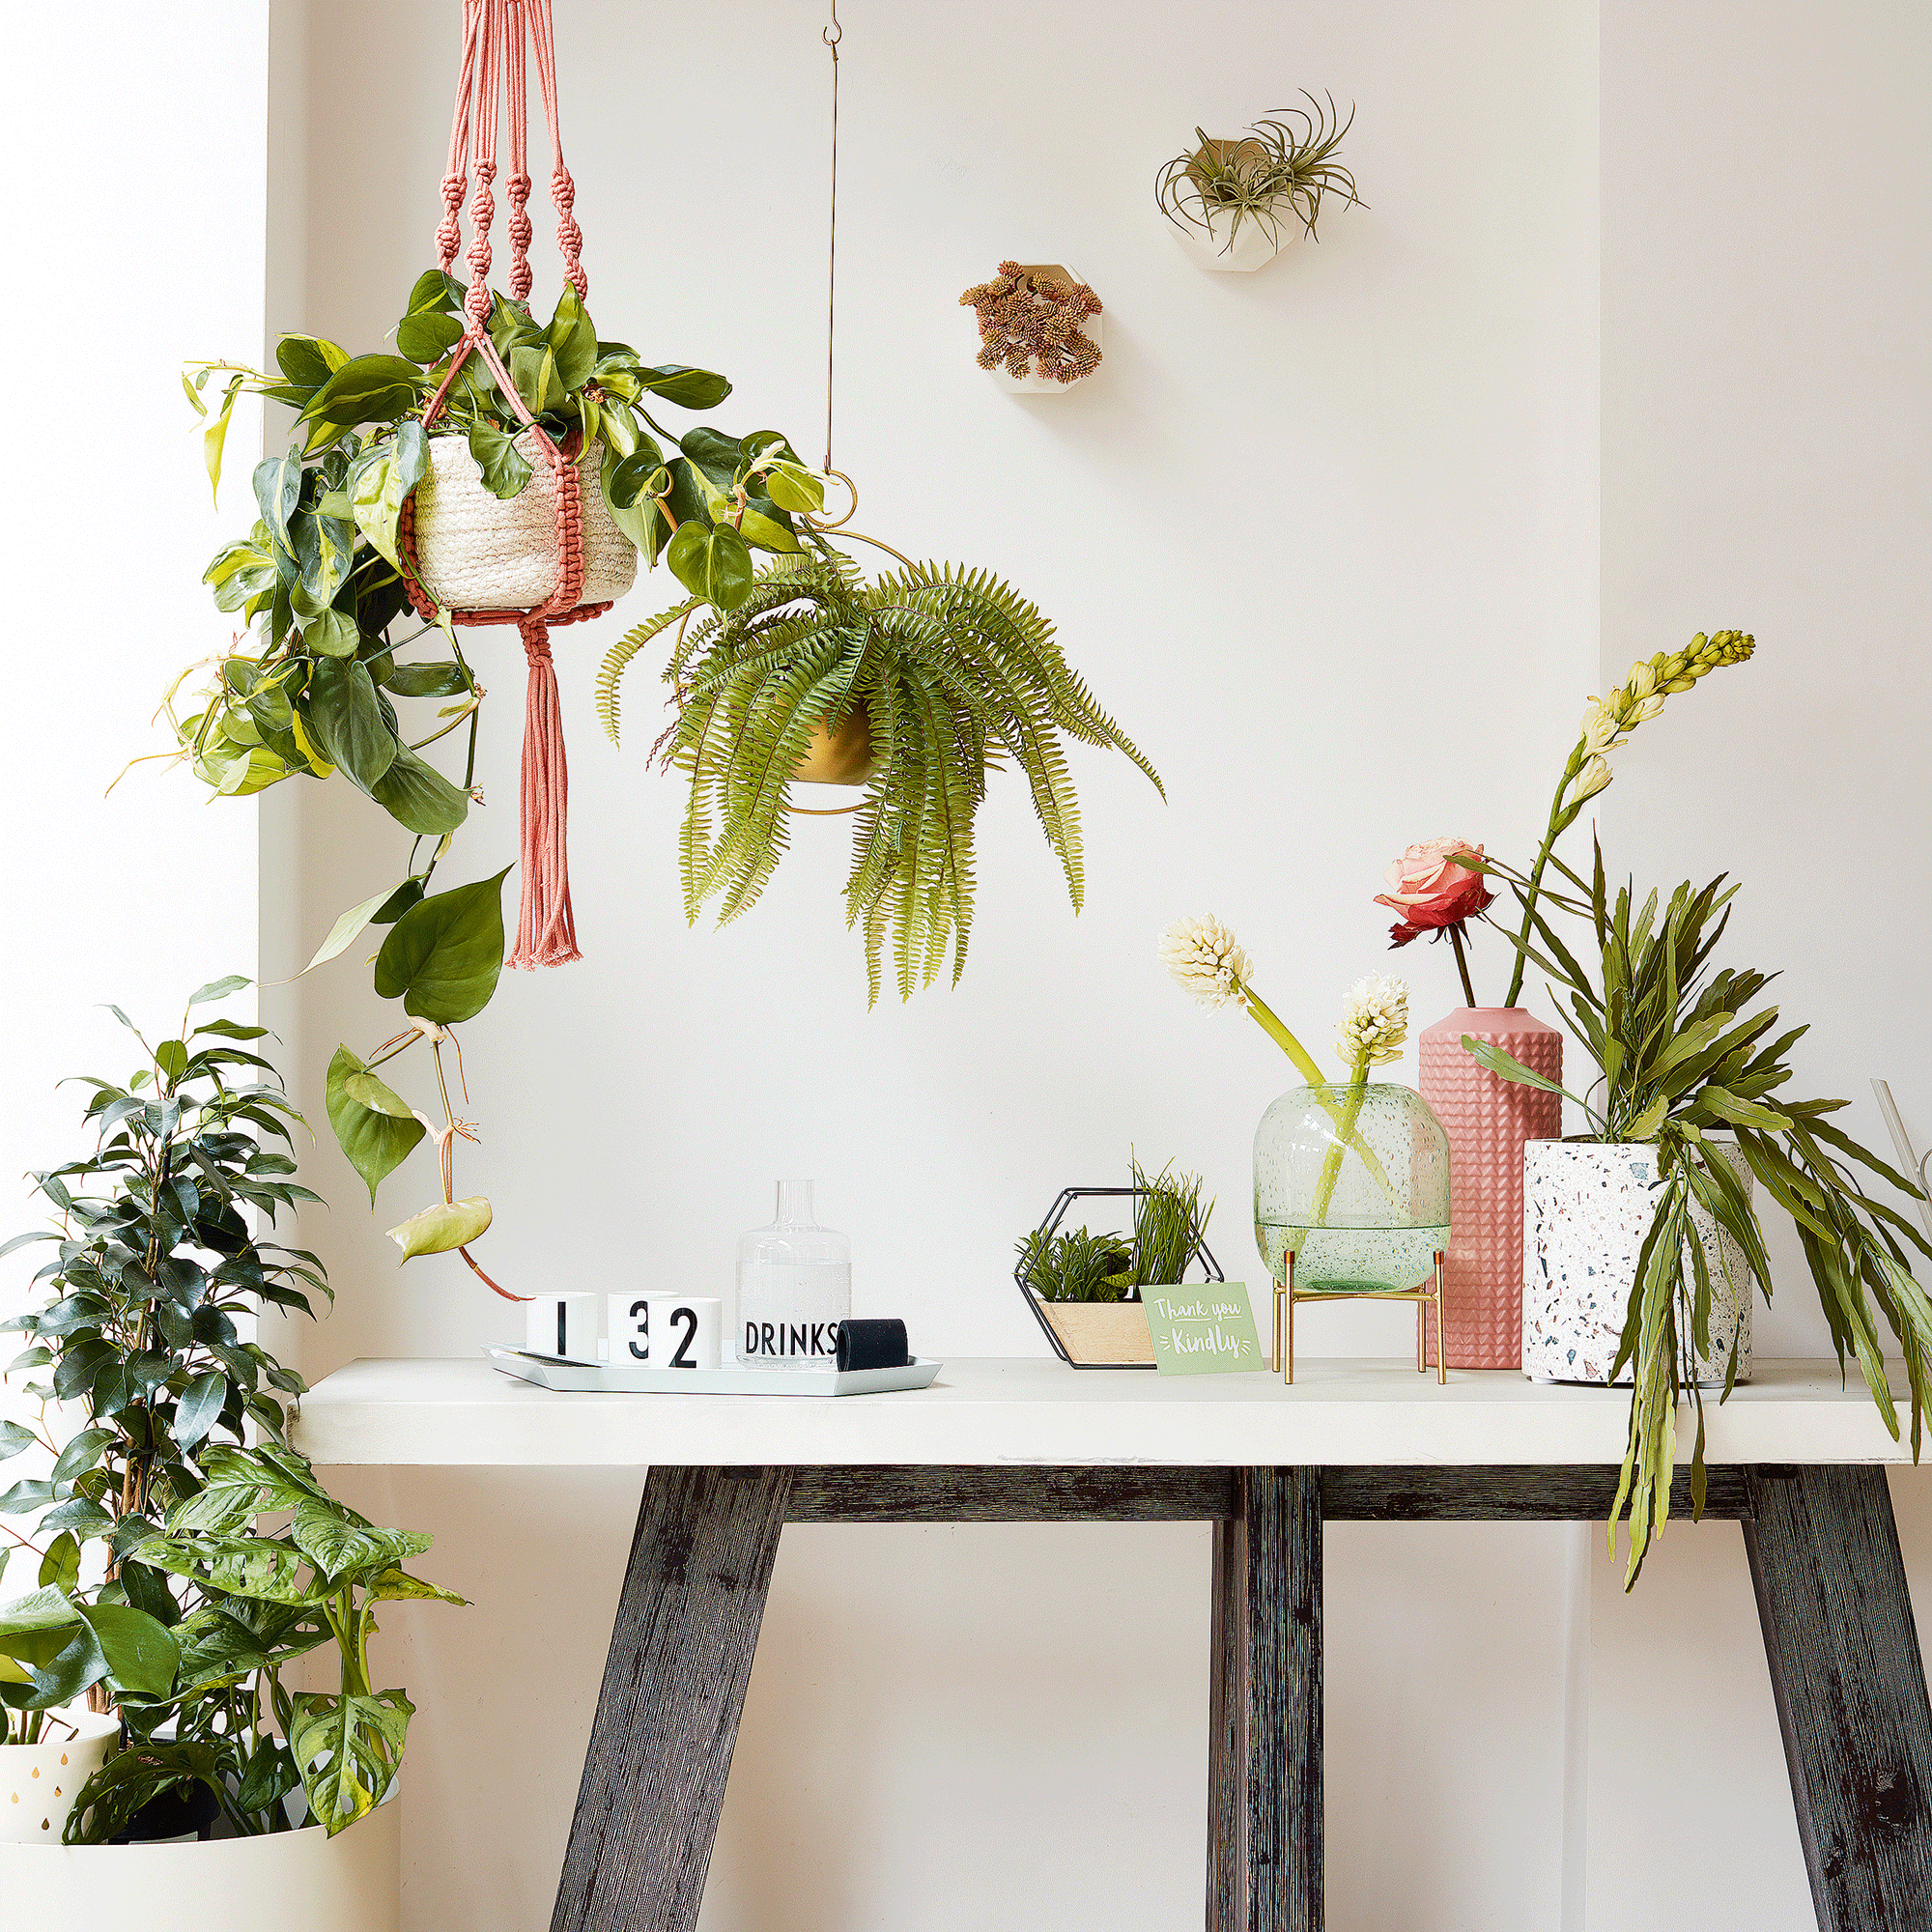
1265	1750
673	1689
1849	1688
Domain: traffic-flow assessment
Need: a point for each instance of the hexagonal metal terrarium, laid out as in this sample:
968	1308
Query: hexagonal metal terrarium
1101	1334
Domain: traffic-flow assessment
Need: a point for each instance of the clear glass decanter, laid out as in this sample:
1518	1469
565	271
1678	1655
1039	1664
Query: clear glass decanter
794	1288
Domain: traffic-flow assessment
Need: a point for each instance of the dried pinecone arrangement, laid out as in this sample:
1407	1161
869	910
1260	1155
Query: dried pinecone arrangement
1030	324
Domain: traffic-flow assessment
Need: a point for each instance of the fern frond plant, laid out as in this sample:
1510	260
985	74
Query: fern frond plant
950	669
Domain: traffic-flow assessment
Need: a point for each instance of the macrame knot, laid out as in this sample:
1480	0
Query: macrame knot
536	632
450	231
517	188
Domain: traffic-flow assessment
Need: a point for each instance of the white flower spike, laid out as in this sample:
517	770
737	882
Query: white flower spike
1375	1022
1206	961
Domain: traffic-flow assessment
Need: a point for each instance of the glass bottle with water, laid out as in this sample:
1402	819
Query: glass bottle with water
794	1288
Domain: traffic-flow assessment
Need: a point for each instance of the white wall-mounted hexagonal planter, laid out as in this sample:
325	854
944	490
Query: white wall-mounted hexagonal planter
1218	242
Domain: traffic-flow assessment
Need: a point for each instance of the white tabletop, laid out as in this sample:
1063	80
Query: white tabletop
1037	1410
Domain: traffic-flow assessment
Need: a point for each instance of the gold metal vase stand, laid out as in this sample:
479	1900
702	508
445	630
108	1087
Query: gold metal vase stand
1287	1295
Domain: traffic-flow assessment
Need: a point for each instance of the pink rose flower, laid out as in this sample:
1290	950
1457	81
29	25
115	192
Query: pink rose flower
1430	890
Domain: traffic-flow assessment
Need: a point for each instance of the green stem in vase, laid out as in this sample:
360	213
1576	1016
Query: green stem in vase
1559	823
1304	1061
1305	1065
1346	1136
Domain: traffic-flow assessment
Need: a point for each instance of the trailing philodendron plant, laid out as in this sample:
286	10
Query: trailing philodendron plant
313	687
1278	172
1684	1053
152	1588
947	668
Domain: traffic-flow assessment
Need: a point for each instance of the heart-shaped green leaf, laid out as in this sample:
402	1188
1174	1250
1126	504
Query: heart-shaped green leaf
333	634
437	1230
376	1144
504	470
573	341
711	563
688	389
442	957
347	721
417	795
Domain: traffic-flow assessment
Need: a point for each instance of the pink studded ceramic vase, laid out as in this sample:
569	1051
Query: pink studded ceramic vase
1488	1121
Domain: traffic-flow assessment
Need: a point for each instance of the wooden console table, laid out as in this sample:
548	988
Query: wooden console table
1796	1459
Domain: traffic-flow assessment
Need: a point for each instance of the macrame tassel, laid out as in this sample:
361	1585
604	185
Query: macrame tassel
546	934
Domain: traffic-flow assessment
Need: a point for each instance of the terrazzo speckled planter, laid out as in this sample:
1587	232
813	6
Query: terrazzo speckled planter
1488	1121
1586	1207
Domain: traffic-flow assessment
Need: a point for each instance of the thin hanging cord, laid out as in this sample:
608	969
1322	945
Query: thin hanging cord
832	36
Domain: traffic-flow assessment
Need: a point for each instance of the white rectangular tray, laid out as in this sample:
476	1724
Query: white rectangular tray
551	1371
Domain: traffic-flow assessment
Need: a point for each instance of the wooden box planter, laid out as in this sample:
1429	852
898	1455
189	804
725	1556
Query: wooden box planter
294	1880
1099	1334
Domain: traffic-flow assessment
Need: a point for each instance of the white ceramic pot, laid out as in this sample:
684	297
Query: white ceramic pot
1586	1208
293	1881
1232	248
38	1782
476	552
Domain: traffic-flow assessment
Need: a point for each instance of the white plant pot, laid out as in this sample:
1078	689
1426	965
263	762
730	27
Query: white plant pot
293	1881
1237	249
38	1782
1586	1208
476	552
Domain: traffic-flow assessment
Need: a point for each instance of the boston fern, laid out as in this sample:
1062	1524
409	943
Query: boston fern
1686	1053
154	1590
950	668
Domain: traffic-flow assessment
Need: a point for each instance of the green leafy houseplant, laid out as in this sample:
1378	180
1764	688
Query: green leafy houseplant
1279	171
152	1588
948	668
1685	1052
318	581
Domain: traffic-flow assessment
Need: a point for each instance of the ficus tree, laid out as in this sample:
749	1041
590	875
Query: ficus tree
155	1588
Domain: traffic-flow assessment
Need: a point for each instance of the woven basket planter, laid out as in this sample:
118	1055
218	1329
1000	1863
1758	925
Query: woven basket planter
476	552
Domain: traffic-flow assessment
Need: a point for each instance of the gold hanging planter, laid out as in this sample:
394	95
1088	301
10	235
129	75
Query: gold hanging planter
840	758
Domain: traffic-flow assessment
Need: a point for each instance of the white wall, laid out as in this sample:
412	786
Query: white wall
138	897
1325	540
1766	405
1328	542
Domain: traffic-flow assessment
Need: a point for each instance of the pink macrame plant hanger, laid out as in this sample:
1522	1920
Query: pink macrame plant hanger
494	38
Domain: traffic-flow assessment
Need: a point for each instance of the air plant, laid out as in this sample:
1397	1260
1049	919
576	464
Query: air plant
1283	166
